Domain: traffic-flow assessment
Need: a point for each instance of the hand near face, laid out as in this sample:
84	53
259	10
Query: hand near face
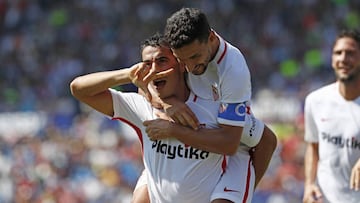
137	76
180	113
141	75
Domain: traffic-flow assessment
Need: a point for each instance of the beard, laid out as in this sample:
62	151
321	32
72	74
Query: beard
199	69
351	77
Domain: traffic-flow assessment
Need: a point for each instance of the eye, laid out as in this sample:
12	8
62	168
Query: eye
147	63
162	60
337	52
194	56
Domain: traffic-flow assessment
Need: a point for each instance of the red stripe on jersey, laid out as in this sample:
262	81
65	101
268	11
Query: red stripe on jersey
246	194
248	110
137	130
195	98
224	164
223	54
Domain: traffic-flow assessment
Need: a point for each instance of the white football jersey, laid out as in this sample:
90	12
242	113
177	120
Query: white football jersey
176	172
227	79
334	123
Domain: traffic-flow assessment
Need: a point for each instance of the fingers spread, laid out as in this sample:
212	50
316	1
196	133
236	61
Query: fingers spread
181	120
163	115
153	75
191	120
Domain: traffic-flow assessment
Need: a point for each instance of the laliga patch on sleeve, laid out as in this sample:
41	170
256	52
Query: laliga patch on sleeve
232	114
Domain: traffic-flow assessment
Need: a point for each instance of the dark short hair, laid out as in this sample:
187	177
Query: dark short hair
156	40
352	33
186	26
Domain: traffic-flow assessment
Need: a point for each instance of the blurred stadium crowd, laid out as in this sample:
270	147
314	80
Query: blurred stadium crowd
52	149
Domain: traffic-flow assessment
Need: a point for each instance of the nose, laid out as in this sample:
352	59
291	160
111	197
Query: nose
342	56
346	56
153	66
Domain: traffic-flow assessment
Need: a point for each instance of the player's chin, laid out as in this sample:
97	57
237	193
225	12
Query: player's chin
165	96
198	70
348	77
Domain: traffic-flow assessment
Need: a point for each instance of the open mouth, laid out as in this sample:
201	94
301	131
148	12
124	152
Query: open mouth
159	83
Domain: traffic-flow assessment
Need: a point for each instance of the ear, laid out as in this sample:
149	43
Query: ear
182	67
212	36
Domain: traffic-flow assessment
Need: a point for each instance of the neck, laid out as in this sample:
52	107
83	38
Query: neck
350	90
183	94
215	44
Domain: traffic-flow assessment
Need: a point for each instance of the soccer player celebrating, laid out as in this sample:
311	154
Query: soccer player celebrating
217	72
174	171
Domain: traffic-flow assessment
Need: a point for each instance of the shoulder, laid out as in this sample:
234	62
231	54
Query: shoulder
131	106
322	93
233	62
234	70
130	99
234	54
116	93
228	55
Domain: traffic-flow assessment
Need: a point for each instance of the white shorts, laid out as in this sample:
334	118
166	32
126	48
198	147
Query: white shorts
252	131
237	183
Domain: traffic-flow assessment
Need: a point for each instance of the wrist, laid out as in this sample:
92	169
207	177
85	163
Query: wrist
309	183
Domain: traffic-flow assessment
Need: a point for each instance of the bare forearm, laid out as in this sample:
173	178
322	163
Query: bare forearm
213	140
311	161
222	140
95	83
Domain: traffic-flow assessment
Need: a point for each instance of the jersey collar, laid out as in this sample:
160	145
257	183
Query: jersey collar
221	51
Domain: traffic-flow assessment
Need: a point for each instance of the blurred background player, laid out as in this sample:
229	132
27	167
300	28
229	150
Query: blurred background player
332	129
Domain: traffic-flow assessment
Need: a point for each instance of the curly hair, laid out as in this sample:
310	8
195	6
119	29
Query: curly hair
354	34
156	40
186	26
